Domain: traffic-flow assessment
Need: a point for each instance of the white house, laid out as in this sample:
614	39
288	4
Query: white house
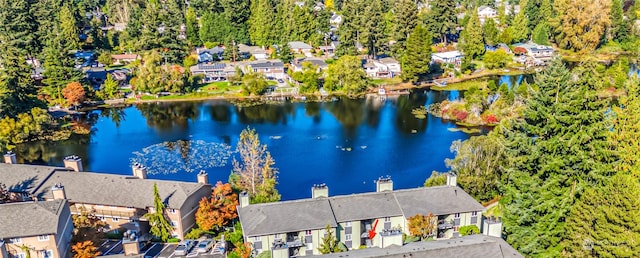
301	48
451	57
382	68
487	12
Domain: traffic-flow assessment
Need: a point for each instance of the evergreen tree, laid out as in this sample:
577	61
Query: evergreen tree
372	35
416	59
58	70
46	26
261	23
69	28
17	28
605	222
329	242
546	11
160	226
406	18
349	30
626	129
442	19
558	148
520	28
215	28
237	13
192	27
17	89
541	34
617	21
285	54
490	32
502	15
471	37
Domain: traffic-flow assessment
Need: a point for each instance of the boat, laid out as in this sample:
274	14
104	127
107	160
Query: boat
440	83
382	91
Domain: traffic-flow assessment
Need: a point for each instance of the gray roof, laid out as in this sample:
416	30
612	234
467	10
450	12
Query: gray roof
24	178
118	190
439	200
283	217
388	60
314	61
306	214
295	45
365	206
479	246
30	218
267	64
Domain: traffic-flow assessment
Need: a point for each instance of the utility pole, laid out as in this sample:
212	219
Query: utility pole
326	47
234	51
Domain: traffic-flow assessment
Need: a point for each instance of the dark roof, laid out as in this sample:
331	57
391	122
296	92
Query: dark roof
314	61
211	66
24	219
472	246
21	178
117	190
439	200
365	206
282	217
267	64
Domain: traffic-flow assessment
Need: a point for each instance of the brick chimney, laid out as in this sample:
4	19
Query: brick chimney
320	190
139	171
244	199
452	179
203	177
58	192
73	162
384	184
10	158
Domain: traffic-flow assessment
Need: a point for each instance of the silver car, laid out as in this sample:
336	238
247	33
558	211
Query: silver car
204	246
183	247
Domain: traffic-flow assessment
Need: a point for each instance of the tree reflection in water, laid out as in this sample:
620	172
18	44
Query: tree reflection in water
116	114
405	120
182	155
271	113
164	116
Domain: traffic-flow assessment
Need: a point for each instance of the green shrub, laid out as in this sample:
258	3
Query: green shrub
173	240
469	230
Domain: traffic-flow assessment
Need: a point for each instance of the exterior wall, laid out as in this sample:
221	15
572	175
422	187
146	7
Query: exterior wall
36	245
464	219
186	216
114	216
308	248
65	231
386	223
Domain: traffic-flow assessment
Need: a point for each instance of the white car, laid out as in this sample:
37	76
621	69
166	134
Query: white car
183	247
204	246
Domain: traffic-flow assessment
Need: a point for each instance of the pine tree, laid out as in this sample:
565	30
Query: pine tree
546	11
17	28
617	21
626	129
541	34
69	28
372	35
416	59
406	18
471	37
442	19
17	89
58	70
329	243
261	23
237	13
285	53
520	28
215	28
192	27
558	148
160	226
490	32
350	28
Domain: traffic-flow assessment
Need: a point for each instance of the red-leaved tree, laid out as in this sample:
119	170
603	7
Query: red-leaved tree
219	210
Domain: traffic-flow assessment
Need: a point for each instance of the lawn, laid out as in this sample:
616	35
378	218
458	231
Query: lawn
465	85
218	88
387	81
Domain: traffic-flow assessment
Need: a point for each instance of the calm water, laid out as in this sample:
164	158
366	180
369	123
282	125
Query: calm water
345	143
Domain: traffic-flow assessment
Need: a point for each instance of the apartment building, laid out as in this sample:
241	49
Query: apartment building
368	220
120	201
35	229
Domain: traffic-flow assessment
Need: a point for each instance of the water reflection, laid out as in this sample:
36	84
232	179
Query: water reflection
188	156
220	112
405	120
166	116
116	114
267	113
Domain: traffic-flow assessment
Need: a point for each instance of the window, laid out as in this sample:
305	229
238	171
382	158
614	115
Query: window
115	219
174	223
20	255
474	213
172	211
15	240
347	237
307	232
309	247
43	238
278	236
387	219
129	208
347	224
457	215
103	218
47	254
257	238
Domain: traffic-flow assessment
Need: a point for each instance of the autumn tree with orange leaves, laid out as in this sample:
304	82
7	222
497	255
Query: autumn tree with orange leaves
74	93
85	249
422	225
219	210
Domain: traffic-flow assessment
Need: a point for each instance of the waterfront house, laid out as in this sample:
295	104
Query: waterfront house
378	219
535	51
270	69
209	55
296	64
35	229
212	72
120	201
450	57
382	68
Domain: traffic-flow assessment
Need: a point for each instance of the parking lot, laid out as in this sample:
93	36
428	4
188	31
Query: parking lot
168	252
113	247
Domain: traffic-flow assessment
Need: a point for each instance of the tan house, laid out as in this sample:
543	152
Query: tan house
120	201
368	220
43	229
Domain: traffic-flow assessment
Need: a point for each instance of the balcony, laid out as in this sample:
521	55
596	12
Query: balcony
134	214
294	242
443	224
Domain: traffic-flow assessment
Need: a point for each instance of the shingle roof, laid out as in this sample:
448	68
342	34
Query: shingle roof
30	218
479	246
295	45
439	200
117	190
267	64
282	217
365	206
23	178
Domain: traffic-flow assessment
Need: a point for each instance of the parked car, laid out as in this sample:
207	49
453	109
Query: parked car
204	246
184	247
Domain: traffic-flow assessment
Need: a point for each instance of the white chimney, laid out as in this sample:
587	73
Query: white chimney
320	190
384	184
492	227
139	171
73	162
244	199
58	192
203	177
452	179
10	158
